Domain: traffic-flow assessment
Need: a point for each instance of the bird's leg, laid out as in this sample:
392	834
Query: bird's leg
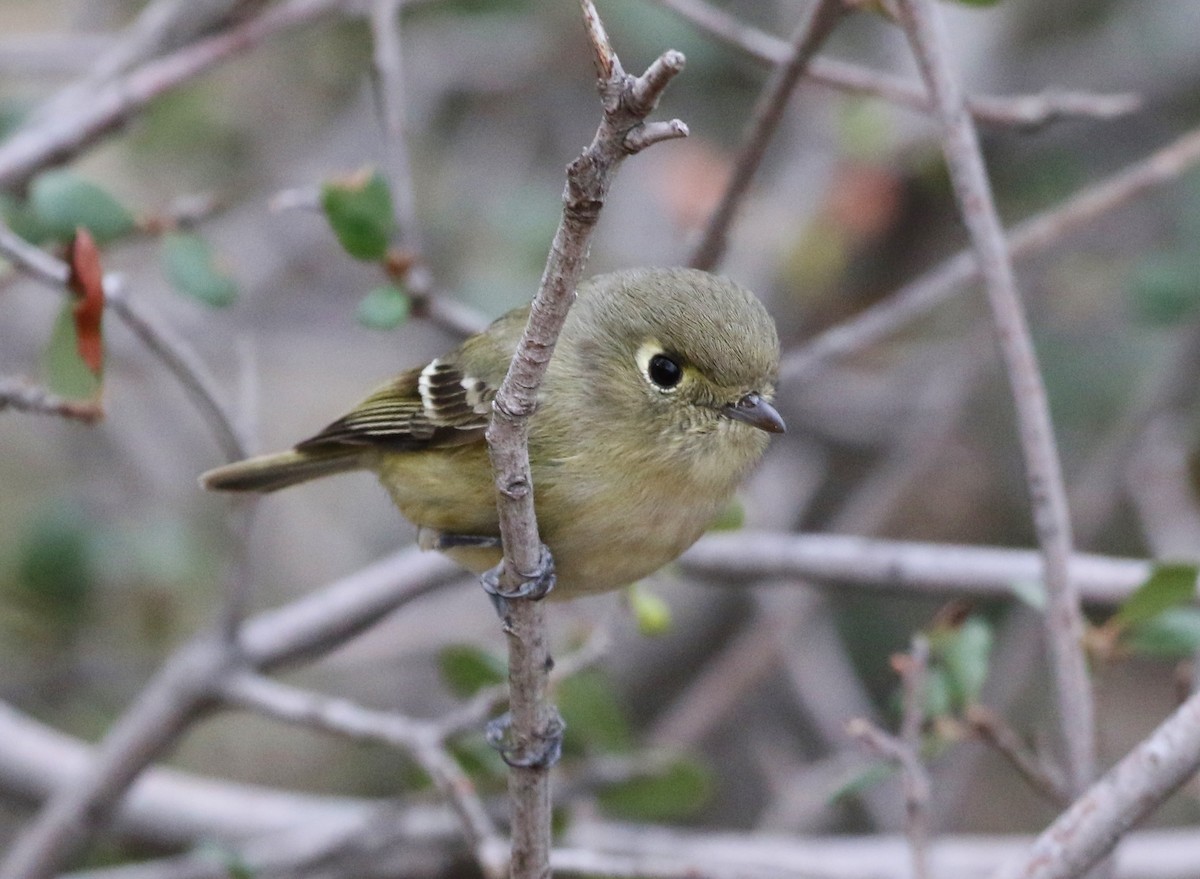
544	746
543	750
444	540
534	586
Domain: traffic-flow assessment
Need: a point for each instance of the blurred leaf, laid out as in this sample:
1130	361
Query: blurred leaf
939	693
22	219
55	567
595	719
965	652
1165	287
678	792
863	780
652	613
231	861
87	283
731	518
359	210
1173	634
62	201
1170	585
467	669
66	373
191	267
384	308
479	759
1032	592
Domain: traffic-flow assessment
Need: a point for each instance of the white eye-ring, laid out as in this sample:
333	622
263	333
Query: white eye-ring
663	370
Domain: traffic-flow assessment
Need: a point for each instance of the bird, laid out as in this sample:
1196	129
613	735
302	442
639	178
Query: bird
655	404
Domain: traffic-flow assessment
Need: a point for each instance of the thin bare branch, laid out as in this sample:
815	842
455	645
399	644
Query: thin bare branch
1022	111
1047	492
1038	233
187	684
1081	836
534	721
59	136
423	740
22	396
991	729
764	119
916	786
904	567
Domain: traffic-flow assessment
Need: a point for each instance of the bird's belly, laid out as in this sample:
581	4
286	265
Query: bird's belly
603	533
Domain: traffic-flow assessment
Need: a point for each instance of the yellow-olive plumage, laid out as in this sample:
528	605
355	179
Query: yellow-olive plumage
654	406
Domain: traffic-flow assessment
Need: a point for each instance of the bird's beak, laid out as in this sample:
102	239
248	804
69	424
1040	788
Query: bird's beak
757	412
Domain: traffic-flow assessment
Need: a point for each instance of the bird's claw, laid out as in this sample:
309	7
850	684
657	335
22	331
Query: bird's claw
536	585
542	751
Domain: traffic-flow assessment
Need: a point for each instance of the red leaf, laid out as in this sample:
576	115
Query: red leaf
86	282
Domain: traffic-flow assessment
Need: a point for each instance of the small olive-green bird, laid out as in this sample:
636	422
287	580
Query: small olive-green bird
655	404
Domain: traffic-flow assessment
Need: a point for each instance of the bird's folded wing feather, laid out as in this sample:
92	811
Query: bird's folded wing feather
439	405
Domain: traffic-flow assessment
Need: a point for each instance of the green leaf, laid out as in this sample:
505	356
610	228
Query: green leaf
66	373
478	759
466	669
359	210
1031	592
595	719
965	653
56	567
652	613
1172	634
863	780
1170	585
192	269
939	693
62	201
384	308
1165	288
678	792
731	518
21	218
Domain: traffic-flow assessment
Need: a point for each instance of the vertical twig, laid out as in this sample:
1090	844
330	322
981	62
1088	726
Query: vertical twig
763	120
1064	621
409	262
913	676
626	101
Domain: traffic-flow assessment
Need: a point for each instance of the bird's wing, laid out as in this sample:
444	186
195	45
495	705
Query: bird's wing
439	405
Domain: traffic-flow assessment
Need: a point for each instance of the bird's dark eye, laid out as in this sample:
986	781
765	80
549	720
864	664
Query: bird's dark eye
664	371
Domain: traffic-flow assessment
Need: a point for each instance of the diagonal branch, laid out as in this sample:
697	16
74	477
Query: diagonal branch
1082	835
1023	111
186	686
60	136
1037	233
25	397
764	119
626	101
1048	497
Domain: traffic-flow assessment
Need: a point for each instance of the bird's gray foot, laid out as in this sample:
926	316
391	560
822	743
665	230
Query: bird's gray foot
536	586
543	750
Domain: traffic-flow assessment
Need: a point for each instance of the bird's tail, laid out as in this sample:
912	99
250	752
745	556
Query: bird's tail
280	470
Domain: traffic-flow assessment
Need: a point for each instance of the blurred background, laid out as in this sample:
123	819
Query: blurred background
110	554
